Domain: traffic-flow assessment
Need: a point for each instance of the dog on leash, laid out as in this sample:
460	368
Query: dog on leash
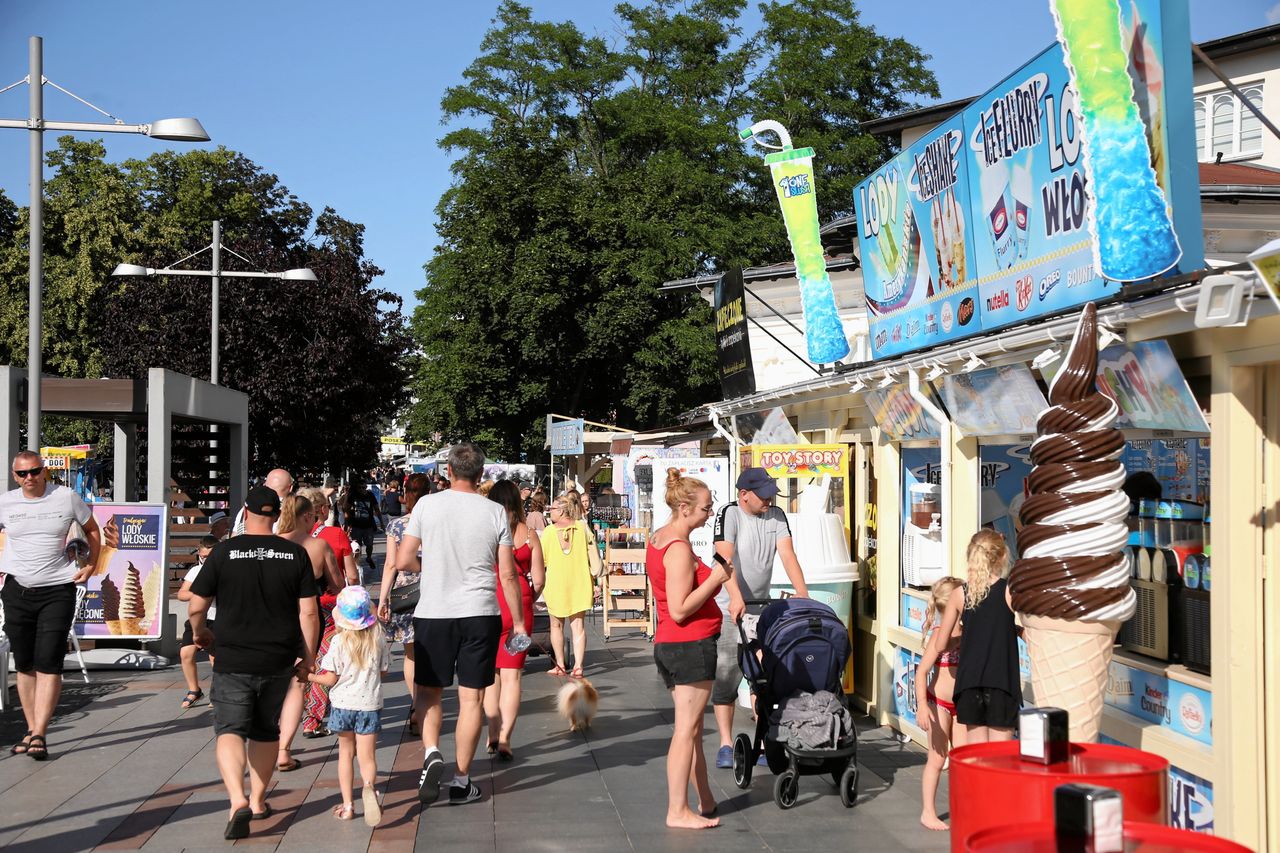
577	702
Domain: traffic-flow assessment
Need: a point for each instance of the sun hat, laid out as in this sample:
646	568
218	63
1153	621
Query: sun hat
354	609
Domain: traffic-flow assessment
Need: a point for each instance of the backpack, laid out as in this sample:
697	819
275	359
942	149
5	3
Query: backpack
360	513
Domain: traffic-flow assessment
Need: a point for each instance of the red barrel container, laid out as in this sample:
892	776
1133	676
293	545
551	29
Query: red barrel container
1138	838
992	787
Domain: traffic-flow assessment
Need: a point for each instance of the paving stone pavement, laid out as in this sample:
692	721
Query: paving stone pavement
129	770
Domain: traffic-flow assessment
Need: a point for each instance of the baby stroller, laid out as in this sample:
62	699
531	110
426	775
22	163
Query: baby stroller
804	648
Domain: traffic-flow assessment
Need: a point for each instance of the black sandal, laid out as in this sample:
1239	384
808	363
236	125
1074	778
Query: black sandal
192	697
21	747
38	751
238	826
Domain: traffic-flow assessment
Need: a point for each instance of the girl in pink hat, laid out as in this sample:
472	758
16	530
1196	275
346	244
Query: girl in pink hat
353	669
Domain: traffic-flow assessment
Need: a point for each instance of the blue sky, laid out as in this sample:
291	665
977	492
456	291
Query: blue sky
342	102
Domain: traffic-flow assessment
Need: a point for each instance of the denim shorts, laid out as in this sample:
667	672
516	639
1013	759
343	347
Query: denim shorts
360	722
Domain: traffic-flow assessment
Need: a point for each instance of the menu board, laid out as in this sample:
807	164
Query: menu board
995	401
993	218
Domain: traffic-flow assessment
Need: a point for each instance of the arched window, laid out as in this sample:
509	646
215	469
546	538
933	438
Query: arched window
1250	126
1200	119
1224	125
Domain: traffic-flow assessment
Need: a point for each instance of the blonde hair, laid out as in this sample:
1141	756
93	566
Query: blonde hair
570	504
938	595
361	645
292	508
484	488
319	502
682	490
988	558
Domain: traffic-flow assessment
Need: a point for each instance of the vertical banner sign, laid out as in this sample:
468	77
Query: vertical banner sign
737	376
793	179
566	437
126	593
1053	189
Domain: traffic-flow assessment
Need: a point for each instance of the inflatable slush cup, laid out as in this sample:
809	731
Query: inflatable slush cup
792	171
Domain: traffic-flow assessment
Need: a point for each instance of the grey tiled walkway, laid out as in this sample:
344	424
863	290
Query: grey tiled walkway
129	770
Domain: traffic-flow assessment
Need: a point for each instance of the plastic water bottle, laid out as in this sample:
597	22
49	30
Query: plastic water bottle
517	643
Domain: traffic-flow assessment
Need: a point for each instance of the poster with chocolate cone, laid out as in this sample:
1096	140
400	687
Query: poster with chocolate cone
127	591
1070	586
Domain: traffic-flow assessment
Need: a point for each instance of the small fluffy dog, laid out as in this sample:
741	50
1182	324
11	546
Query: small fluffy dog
577	701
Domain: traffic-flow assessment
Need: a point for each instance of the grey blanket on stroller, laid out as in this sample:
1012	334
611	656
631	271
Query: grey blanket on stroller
812	721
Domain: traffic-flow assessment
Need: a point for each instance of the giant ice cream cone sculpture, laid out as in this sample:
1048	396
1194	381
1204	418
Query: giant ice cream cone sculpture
1071	585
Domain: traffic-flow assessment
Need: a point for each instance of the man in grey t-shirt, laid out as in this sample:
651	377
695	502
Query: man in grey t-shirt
749	534
457	624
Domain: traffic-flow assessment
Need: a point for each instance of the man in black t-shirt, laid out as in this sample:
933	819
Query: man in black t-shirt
266	594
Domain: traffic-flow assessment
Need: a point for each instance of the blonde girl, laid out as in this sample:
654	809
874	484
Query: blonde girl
353	669
935	692
568	592
988	691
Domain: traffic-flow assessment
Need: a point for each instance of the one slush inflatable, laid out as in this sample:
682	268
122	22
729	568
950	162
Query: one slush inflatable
1130	216
792	171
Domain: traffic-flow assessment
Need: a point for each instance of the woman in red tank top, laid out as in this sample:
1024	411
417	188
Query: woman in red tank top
684	649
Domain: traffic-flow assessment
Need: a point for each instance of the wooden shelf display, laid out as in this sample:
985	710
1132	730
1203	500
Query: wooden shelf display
625	585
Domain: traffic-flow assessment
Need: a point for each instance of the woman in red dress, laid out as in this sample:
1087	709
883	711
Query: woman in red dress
502	698
684	648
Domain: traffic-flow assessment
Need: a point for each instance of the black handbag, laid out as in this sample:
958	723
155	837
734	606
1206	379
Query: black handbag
404	599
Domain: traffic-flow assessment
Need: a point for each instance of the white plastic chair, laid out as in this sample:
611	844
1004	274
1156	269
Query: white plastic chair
4	659
81	591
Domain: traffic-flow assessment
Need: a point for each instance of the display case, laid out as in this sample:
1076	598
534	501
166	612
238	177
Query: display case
627	600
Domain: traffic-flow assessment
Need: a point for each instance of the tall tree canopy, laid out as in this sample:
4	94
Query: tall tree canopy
324	363
591	170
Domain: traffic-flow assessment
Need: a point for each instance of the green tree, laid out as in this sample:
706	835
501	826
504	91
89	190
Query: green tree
589	172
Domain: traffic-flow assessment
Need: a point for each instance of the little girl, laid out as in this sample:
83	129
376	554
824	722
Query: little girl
988	691
353	669
935	690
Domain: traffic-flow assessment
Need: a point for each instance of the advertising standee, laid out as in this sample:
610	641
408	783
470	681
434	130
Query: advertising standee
126	593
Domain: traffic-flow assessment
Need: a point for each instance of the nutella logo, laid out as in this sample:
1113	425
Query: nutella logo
1022	287
998	301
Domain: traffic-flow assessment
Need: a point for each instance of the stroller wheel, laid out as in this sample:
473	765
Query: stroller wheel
743	761
849	786
786	788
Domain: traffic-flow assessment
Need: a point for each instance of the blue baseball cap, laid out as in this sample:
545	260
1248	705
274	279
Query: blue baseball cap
757	480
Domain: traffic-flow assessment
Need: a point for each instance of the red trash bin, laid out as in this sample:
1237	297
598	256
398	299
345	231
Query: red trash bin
1138	838
992	787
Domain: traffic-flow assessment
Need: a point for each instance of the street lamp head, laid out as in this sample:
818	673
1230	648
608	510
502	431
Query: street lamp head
129	270
301	274
178	130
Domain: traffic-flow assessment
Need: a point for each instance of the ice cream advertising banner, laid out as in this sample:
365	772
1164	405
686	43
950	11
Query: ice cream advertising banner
1190	801
127	589
1068	182
899	415
916	255
1005	469
905	663
996	401
713	472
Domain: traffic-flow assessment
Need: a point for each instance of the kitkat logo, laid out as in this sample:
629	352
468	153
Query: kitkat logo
1023	288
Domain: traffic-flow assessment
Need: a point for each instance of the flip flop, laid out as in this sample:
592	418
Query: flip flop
372	808
266	812
238	826
289	766
192	697
37	751
20	748
558	671
344	812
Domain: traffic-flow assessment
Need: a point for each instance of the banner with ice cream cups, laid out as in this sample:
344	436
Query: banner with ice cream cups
127	592
1055	188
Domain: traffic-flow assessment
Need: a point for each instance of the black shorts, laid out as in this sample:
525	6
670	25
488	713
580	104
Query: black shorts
37	620
249	705
986	706
468	646
690	662
188	640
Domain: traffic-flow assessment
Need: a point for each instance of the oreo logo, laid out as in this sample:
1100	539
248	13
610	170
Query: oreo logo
965	314
1049	282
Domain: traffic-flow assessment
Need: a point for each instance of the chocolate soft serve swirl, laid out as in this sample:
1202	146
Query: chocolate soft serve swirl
1074	534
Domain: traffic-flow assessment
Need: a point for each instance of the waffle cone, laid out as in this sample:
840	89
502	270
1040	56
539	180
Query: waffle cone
113	625
105	554
130	627
1070	663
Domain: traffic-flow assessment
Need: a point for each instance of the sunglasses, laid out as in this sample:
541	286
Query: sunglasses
29	472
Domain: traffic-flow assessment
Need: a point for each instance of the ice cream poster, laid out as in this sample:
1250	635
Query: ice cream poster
1067	182
1190	801
1005	469
996	401
127	593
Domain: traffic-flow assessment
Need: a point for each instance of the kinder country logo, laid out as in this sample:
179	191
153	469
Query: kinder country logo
1191	713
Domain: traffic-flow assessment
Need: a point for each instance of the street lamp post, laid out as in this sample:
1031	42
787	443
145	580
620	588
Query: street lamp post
173	129
216	273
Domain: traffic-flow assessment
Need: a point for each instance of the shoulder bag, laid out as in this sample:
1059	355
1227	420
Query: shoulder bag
594	560
404	599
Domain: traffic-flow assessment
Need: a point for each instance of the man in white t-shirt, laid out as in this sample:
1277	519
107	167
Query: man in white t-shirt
277	480
457	624
40	588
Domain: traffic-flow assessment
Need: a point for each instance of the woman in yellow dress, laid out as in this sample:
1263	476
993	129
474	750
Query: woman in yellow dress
568	593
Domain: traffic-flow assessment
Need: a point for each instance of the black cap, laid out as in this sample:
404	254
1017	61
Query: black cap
757	480
262	501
